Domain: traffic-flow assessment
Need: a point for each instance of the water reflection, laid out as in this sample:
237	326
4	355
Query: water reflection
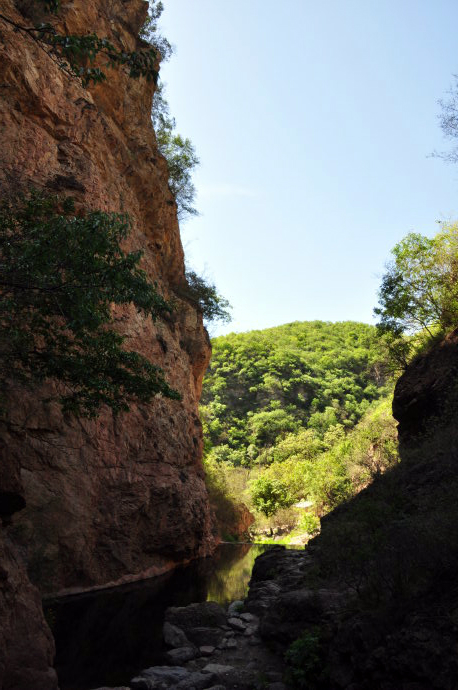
233	564
105	637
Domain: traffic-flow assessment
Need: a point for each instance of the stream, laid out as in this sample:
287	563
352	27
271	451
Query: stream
103	638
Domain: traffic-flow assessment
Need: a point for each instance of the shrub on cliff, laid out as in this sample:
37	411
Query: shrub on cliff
150	30
62	276
205	296
179	153
82	56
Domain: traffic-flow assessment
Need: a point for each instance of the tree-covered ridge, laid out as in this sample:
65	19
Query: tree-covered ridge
262	385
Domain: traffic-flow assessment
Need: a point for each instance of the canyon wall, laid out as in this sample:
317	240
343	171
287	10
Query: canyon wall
102	501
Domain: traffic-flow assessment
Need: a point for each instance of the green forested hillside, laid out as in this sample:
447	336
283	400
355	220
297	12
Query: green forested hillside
301	411
262	385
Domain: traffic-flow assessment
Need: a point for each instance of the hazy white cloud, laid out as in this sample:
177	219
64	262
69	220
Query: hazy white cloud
225	190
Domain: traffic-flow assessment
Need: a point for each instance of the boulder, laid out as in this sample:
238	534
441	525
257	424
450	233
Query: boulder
218	669
181	655
235	608
207	614
206	636
174	636
176	677
237	624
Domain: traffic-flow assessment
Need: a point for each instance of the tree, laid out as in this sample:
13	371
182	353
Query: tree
266	426
449	121
206	298
179	153
419	291
61	275
268	495
150	30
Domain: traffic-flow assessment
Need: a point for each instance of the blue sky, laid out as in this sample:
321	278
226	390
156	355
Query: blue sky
313	122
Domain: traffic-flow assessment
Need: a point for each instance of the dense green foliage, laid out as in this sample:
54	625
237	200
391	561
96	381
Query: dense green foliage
61	276
419	291
268	495
333	469
84	56
301	411
263	385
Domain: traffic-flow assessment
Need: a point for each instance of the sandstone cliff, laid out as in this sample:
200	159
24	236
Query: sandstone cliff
121	497
375	596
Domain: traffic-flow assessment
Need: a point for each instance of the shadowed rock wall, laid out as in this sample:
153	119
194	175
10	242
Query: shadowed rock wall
123	496
116	498
374	597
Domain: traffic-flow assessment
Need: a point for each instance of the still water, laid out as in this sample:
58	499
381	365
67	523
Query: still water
106	637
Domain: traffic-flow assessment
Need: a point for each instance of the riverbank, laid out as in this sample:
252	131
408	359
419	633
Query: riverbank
210	647
104	638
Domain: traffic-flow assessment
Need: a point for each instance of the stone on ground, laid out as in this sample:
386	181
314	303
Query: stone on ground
235	608
181	655
237	624
174	636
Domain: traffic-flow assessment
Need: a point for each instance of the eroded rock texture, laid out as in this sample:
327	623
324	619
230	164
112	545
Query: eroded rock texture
114	497
117	498
26	644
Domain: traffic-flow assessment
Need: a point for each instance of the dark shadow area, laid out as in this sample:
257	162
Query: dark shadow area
106	637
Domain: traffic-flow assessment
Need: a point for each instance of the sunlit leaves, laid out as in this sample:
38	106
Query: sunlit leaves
419	290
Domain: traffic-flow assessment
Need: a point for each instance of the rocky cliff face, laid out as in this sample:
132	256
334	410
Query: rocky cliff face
374	598
117	498
26	644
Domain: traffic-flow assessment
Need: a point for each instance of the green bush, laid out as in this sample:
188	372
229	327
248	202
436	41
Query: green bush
305	662
206	298
268	495
310	523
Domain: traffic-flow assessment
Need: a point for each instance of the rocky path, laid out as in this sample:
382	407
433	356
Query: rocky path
210	648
